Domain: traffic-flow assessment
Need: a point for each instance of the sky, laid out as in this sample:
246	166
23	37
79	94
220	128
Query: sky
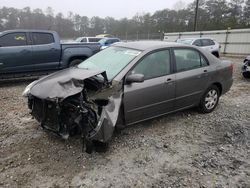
102	8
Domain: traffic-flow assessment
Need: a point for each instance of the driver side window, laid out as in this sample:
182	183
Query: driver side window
154	65
13	39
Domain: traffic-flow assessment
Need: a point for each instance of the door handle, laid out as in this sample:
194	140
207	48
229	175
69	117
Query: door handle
169	81
1	64
204	74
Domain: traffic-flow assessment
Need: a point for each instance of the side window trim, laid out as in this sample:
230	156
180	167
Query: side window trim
173	59
151	52
203	56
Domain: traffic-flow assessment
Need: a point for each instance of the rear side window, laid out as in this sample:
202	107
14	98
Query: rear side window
109	41
13	39
188	59
84	40
94	39
42	38
154	65
207	42
197	42
115	40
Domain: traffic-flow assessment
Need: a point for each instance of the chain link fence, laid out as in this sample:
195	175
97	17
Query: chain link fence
141	36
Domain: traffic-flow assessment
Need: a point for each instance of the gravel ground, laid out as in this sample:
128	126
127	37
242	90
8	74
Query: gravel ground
185	149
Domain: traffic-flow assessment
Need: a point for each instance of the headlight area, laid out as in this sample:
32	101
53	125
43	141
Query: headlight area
26	91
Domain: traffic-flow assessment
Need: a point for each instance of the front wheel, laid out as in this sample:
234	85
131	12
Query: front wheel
246	74
75	62
210	99
245	69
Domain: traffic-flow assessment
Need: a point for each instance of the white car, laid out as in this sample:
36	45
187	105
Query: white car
205	43
88	39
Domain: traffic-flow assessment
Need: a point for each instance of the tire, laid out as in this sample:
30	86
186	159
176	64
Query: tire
100	147
209	100
246	74
75	62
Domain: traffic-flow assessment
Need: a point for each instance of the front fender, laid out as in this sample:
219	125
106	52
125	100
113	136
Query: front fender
108	119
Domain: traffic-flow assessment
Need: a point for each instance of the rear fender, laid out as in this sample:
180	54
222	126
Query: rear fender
70	53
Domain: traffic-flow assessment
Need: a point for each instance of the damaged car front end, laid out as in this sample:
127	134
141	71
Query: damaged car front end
76	101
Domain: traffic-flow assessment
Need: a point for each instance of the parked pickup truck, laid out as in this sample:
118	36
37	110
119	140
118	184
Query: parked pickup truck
35	52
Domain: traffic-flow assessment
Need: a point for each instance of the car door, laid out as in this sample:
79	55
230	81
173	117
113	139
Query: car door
192	76
46	52
15	53
154	96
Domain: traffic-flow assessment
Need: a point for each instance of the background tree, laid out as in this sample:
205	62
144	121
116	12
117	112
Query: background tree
213	15
247	13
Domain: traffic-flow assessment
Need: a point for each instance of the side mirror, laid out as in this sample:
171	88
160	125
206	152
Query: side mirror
135	78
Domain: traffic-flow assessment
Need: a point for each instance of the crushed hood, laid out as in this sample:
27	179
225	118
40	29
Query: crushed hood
63	84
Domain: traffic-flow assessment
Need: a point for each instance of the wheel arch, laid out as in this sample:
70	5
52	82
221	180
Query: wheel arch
77	57
219	86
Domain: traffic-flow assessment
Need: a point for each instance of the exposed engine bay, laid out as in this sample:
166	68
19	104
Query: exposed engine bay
77	104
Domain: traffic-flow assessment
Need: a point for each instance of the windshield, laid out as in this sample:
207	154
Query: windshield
185	41
78	39
112	60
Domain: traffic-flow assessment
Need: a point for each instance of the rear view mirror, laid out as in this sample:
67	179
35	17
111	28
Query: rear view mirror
135	78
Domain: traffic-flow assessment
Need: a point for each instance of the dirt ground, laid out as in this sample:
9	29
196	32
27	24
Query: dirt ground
185	149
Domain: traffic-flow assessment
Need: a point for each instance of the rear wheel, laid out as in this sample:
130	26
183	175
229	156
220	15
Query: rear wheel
75	62
210	99
246	74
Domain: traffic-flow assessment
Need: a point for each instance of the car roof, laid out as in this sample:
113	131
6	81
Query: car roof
148	45
195	38
108	38
29	30
89	37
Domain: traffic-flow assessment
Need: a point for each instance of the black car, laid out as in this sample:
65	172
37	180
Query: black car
246	67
